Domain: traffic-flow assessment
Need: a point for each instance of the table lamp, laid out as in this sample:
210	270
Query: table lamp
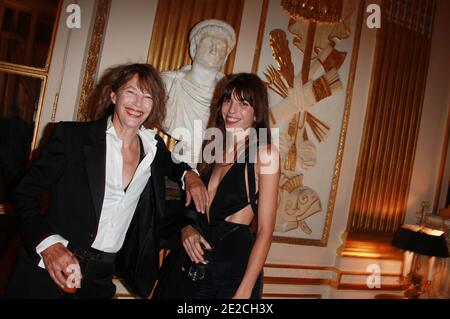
417	241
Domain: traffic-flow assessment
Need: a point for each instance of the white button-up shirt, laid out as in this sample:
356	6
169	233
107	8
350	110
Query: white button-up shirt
118	206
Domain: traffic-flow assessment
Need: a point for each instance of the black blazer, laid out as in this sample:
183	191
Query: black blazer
71	170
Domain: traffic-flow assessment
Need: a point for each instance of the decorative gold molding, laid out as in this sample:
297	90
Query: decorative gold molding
334	269
169	45
299	281
33	72
54	33
334	283
341	247
22	69
38	114
90	73
364	273
444	151
383	287
340	151
392	121
54	107
362	245
259	39
309	267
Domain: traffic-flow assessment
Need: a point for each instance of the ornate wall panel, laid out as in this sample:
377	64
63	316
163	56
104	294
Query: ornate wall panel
90	73
308	59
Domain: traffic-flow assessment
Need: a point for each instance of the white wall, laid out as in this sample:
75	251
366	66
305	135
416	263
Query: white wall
248	35
424	181
127	39
65	73
128	32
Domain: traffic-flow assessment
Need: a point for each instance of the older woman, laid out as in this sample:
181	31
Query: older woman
105	182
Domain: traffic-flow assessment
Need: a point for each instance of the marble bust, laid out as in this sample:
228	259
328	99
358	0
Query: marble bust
190	89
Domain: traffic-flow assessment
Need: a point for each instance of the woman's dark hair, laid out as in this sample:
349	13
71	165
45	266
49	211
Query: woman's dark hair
246	87
114	78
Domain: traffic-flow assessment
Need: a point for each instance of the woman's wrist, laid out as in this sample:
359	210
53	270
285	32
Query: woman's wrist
243	292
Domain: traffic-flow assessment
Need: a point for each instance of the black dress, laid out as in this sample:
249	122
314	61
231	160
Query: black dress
232	243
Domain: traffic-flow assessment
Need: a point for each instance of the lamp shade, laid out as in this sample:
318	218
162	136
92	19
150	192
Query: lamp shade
421	240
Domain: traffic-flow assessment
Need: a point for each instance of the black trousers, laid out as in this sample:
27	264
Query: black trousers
28	281
97	279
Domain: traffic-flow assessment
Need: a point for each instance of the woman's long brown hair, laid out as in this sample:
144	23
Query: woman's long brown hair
114	78
246	87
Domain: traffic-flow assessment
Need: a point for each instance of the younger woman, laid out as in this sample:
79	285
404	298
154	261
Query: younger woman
241	190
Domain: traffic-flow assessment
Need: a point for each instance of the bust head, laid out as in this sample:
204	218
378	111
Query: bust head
211	41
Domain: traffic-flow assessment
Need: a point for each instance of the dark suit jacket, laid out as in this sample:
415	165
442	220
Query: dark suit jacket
71	170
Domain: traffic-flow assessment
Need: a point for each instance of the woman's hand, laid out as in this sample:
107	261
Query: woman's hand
196	191
194	243
60	262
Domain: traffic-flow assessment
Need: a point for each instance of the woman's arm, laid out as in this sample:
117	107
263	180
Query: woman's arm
42	176
38	236
268	172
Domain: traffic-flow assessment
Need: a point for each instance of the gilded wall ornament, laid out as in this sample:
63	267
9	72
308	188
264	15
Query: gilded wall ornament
313	32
